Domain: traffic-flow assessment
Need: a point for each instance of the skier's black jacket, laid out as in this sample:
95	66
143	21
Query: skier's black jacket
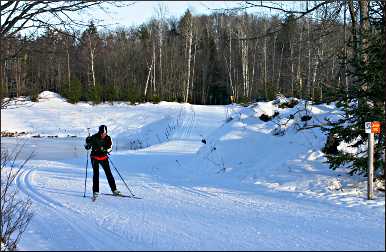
100	147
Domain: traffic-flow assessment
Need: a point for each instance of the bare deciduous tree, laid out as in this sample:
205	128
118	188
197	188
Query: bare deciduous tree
21	15
15	212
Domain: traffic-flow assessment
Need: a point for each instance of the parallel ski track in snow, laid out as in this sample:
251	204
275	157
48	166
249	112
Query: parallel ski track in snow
188	116
258	207
223	203
90	234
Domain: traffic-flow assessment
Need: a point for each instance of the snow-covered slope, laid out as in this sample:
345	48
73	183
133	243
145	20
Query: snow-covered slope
245	188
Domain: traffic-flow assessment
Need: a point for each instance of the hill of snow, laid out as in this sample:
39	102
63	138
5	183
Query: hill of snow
211	178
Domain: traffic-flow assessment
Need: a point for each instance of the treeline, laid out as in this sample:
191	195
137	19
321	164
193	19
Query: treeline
207	59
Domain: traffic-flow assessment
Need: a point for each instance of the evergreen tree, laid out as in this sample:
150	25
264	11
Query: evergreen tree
94	94
364	103
217	90
74	92
110	94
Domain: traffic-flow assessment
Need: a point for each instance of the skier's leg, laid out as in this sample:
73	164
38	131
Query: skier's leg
109	175
95	178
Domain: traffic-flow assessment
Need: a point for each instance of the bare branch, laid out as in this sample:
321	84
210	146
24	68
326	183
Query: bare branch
15	214
6	5
280	26
250	4
37	10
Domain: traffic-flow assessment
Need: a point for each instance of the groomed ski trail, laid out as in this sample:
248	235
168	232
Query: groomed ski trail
82	232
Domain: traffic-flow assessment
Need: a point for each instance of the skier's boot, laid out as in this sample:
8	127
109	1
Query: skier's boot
117	193
94	196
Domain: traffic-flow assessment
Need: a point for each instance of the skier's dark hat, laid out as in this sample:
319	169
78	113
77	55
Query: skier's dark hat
102	129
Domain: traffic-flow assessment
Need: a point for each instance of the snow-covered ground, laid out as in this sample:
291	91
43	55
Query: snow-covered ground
245	189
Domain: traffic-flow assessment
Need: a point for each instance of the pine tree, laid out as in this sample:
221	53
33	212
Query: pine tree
94	94
74	92
363	103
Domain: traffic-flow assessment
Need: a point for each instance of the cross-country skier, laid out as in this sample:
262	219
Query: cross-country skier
101	145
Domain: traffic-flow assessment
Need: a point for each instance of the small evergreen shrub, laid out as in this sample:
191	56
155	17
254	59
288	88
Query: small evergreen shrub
94	94
73	92
156	99
180	99
243	100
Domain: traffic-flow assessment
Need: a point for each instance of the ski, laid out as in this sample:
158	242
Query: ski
122	195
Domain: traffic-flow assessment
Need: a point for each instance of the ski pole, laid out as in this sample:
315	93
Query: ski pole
85	180
132	194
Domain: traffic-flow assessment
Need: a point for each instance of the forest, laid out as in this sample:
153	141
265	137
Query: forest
208	59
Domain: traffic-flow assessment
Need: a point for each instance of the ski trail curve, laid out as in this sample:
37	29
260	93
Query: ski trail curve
88	232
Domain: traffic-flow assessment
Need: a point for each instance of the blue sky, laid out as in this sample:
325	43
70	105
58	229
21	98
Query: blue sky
142	11
136	13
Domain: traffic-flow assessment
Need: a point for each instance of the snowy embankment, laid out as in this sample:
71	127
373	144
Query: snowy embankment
245	188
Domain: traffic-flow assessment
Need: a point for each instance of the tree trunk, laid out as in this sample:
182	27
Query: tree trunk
345	48
265	62
309	60
253	78
4	81
244	65
298	78
365	24
230	66
273	59
160	55
193	68
353	15
18	77
246	49
92	59
364	29
292	69
190	38
154	75
281	61
148	77
316	63
68	69
59	78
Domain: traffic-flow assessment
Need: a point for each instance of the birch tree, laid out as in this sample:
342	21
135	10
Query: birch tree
187	33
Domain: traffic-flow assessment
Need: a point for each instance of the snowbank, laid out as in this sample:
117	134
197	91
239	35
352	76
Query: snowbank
212	178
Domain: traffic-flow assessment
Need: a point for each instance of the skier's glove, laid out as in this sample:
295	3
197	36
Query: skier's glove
104	151
87	146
